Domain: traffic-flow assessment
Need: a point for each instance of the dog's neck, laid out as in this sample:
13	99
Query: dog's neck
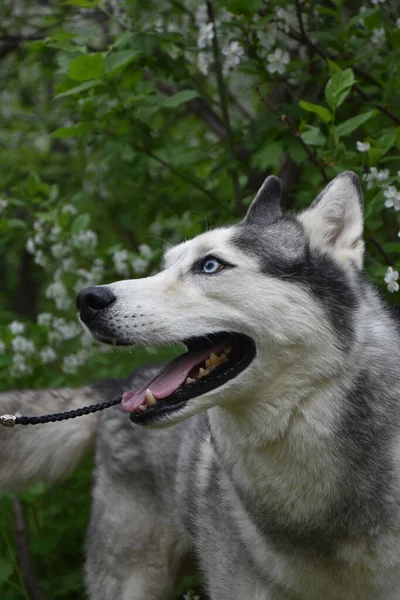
281	451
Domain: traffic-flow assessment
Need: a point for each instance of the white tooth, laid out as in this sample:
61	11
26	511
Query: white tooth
214	359
142	407
228	349
189	380
202	372
208	363
149	397
223	357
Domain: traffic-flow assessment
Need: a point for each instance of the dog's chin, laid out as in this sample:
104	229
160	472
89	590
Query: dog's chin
177	391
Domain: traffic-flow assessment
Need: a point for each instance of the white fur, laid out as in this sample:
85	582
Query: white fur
335	223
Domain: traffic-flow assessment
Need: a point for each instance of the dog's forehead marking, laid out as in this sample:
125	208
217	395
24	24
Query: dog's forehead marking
203	244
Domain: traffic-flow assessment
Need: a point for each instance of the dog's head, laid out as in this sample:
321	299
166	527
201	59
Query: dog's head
270	296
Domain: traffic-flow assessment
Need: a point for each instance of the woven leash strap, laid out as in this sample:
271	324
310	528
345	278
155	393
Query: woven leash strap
12	420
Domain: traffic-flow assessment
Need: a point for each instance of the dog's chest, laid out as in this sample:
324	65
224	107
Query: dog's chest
240	546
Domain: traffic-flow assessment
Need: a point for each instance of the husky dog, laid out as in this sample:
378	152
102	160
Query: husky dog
284	483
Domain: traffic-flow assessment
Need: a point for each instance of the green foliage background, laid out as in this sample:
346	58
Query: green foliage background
130	125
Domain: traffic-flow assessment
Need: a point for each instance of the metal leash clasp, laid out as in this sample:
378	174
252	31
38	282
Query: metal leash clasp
8	420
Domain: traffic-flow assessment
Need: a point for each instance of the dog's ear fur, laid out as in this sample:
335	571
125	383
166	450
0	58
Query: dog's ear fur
265	207
335	220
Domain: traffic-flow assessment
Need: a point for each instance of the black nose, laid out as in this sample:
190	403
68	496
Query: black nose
90	300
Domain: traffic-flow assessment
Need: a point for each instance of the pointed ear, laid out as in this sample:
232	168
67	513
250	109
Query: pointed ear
335	220
265	206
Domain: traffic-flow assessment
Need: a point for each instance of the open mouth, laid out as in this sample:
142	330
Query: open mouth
209	363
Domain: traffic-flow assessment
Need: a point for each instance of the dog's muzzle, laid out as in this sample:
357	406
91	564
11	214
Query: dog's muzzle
90	301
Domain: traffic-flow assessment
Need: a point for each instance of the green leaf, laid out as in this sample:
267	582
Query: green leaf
72	131
268	155
82	3
333	67
80	222
386	141
338	87
79	88
313	137
6	569
88	66
180	98
118	60
352	124
321	111
17	224
238	7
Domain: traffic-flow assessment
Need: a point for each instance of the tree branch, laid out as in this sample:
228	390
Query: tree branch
381	250
183	176
23	552
303	38
224	100
284	119
197	106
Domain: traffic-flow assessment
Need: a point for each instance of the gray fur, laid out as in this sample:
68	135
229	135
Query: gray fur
286	487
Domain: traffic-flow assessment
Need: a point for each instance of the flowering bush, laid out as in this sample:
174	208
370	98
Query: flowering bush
128	126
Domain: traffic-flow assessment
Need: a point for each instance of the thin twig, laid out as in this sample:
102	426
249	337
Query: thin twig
184	9
381	250
23	552
223	94
183	176
293	129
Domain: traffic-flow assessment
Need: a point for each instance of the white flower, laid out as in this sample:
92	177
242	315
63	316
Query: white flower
3	204
206	35
47	355
278	61
38	239
86	239
233	54
59	250
120	259
57	292
155	228
378	36
19	367
16	327
40	258
201	15
69	208
22	345
363	146
68	264
204	61
54	233
90	278
139	265
44	319
2	347
145	251
287	18
30	246
375	177
66	330
391	278
392	196
71	363
190	596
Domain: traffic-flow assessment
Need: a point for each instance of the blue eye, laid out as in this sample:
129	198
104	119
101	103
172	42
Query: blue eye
211	266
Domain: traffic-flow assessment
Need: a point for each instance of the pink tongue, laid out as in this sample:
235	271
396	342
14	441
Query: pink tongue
172	376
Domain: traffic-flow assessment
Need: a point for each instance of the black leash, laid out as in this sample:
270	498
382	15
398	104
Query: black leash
12	420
